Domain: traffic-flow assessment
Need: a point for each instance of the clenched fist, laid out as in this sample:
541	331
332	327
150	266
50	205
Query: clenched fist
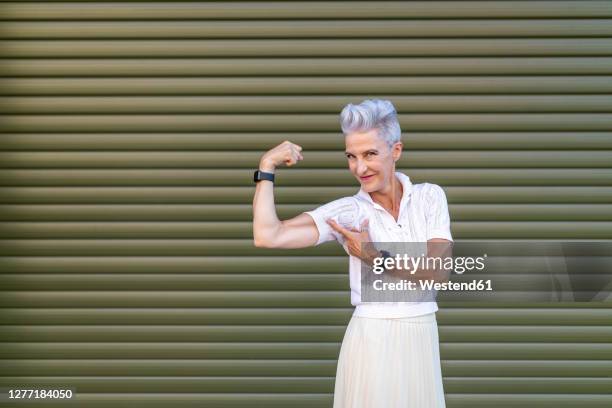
286	152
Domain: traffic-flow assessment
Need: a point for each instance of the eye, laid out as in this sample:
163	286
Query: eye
370	154
349	156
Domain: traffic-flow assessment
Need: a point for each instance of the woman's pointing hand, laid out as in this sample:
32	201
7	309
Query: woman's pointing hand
358	242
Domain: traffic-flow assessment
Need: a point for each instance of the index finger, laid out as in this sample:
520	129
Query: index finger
365	225
337	227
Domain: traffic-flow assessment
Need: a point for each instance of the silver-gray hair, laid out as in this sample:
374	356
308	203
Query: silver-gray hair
372	114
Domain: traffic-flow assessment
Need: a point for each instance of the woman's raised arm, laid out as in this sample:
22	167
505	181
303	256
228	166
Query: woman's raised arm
268	231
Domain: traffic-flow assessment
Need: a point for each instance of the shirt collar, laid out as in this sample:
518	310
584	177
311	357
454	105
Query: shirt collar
406	187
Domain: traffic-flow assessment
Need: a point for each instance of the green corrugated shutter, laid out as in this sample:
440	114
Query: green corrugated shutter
129	134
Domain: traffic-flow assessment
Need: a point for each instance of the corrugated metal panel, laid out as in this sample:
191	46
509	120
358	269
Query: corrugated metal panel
129	131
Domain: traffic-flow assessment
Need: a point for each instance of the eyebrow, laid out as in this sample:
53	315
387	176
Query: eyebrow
366	151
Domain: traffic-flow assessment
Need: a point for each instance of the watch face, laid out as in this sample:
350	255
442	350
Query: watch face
260	175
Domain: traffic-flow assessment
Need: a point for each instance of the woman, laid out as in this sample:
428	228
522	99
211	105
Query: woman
390	352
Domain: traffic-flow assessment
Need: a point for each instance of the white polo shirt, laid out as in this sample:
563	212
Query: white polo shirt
423	215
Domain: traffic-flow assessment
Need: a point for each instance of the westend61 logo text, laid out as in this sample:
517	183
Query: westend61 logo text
412	264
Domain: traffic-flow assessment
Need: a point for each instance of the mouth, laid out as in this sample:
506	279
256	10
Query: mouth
366	178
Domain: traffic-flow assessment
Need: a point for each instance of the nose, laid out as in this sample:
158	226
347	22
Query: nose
361	167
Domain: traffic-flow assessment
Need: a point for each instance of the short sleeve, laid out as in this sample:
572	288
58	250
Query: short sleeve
345	211
438	219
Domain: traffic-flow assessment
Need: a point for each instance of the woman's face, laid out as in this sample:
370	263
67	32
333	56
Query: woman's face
371	160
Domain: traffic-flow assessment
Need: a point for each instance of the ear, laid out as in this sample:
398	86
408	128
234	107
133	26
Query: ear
397	150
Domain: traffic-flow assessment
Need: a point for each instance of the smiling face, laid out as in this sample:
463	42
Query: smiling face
371	160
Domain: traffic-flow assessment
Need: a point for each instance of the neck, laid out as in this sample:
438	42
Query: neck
390	196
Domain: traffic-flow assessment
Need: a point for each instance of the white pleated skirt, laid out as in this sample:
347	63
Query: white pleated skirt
390	363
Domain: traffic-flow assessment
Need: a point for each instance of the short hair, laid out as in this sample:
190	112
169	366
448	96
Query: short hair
372	114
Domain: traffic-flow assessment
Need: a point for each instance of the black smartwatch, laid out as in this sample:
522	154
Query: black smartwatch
262	175
385	254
